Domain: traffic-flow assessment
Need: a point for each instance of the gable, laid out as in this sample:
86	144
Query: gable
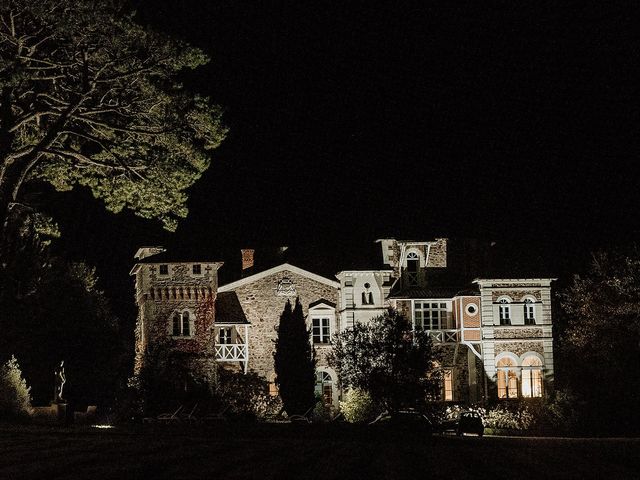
285	267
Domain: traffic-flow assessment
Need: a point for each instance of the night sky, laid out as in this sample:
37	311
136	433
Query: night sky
350	122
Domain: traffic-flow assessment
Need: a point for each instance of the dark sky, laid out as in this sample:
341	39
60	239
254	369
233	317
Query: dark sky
351	122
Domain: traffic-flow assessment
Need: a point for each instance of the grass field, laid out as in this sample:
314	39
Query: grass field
282	451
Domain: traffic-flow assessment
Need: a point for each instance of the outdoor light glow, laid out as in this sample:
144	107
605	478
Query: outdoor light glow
103	426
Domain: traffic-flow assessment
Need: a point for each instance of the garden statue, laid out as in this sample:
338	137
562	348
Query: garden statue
60	380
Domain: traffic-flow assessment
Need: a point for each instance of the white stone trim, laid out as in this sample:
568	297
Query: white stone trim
280	268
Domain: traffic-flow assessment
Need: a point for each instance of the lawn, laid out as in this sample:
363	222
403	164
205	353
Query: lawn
282	451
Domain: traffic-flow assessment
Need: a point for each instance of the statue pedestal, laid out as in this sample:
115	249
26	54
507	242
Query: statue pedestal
60	412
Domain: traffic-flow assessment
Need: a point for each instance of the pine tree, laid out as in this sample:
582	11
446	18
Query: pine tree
294	361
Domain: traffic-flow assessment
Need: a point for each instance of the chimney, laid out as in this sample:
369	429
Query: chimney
247	258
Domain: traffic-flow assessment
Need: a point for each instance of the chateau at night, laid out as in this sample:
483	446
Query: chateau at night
494	333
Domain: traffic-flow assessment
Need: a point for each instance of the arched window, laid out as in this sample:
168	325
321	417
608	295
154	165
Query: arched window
531	376
176	325
364	298
413	264
529	312
181	324
324	387
185	324
504	310
507	378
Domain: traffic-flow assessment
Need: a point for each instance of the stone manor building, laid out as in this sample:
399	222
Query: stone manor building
495	333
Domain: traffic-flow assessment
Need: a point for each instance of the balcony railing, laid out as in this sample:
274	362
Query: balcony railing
231	352
444	336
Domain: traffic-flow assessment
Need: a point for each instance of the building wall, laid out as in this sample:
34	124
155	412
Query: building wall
351	307
263	306
517	338
160	296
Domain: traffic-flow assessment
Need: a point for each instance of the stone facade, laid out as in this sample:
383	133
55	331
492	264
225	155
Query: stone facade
176	304
474	326
263	305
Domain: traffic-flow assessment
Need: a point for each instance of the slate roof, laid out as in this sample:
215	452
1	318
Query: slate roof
229	310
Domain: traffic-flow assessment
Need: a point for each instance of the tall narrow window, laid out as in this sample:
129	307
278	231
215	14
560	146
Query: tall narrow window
505	312
531	377
224	335
176	325
324	387
370	298
529	312
364	298
186	330
507	379
320	330
413	263
164	269
448	384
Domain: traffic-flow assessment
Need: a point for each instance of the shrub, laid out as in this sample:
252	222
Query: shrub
357	406
15	399
246	395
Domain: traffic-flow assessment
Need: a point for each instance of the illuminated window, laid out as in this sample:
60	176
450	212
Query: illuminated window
531	377
505	312
320	330
507	378
273	389
448	385
413	263
197	269
273	386
224	335
529	312
181	324
430	315
164	269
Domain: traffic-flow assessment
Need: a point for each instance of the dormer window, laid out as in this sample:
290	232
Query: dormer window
197	269
413	264
367	295
164	270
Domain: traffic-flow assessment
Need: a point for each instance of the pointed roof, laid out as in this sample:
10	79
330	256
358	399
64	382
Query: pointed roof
280	268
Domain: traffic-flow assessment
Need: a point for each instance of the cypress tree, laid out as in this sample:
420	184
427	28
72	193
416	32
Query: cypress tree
294	361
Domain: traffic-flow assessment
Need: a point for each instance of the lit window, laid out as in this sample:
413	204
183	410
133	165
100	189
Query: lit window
164	269
430	315
197	269
224	335
505	312
531	377
448	385
321	332
529	312
273	389
507	379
